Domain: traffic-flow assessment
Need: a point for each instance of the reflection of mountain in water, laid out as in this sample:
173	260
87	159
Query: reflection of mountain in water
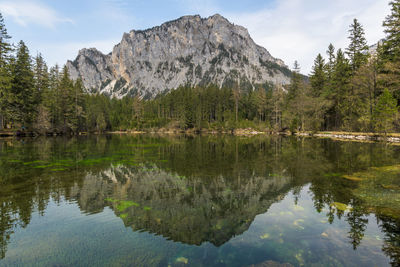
190	210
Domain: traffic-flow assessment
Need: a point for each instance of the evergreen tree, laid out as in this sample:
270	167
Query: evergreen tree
365	92
318	77
329	94
331	60
358	48
23	95
66	102
385	111
79	116
51	100
41	77
389	73
295	82
5	72
278	105
340	83
391	46
294	113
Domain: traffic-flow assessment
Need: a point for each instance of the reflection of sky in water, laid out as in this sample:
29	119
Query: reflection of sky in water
286	233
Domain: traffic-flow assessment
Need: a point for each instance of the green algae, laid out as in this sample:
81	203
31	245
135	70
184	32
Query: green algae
58	170
42	166
355	178
146	208
379	189
34	162
15	161
125	204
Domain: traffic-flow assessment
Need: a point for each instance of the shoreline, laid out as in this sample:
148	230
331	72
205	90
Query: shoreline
340	136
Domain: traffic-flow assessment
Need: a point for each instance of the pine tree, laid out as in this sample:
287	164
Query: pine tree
79	107
358	48
385	112
52	99
294	113
295	82
66	102
389	54
41	75
318	77
278	98
340	83
23	95
331	60
5	72
391	46
364	84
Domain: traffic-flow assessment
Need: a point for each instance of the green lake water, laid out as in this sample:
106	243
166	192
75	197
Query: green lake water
198	201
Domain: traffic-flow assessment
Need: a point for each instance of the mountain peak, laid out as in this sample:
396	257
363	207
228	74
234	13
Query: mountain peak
189	50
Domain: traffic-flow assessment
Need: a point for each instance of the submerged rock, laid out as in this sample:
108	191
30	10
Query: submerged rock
265	236
182	260
341	206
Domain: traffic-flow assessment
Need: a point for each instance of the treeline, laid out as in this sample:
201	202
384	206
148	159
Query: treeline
350	89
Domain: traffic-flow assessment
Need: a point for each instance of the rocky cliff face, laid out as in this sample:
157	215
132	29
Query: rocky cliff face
190	50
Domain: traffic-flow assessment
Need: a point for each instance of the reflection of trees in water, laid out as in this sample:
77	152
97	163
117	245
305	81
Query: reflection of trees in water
227	182
357	222
391	247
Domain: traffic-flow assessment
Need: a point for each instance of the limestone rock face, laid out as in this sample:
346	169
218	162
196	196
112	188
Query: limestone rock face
190	50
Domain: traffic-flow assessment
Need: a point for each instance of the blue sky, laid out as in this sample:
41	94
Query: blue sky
289	29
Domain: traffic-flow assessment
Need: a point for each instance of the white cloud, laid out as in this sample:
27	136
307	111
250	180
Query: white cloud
300	29
25	13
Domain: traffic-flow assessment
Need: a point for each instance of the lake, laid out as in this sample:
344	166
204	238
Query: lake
198	201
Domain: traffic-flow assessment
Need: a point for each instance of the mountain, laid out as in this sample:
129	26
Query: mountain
190	50
373	49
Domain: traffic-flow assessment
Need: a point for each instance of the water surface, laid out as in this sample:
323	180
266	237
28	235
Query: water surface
198	201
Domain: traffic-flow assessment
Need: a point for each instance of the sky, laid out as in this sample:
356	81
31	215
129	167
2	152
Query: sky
289	29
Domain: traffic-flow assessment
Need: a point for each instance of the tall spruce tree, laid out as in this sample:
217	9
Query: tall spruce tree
5	72
23	95
391	46
358	48
295	82
41	75
340	83
42	89
331	60
294	106
318	77
66	102
389	66
384	112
